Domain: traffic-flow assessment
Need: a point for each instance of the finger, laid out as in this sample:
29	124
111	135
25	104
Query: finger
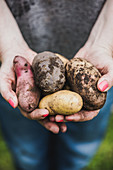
105	82
7	93
51	126
59	118
37	114
52	118
63	127
75	117
82	116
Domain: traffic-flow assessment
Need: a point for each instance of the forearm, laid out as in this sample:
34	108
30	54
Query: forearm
102	32
10	35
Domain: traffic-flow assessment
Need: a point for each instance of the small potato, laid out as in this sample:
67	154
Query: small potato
63	102
49	72
27	92
83	77
65	60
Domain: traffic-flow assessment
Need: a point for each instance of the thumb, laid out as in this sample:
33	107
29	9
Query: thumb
105	82
8	94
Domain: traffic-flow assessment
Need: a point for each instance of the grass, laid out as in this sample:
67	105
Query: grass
103	160
5	157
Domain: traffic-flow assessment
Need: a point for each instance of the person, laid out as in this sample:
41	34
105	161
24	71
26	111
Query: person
72	28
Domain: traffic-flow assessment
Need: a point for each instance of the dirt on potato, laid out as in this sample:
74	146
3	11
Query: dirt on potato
83	77
49	72
27	93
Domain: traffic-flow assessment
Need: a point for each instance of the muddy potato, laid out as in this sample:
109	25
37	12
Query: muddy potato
83	77
49	72
63	102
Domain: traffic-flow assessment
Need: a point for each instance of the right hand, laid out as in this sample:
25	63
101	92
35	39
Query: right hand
7	89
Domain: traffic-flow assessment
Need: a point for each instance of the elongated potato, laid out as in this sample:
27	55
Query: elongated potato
63	102
28	94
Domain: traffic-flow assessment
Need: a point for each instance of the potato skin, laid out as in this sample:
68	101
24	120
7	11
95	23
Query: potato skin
63	102
83	77
49	72
27	93
44	104
65	60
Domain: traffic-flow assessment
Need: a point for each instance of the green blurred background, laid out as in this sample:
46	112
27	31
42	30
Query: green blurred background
103	160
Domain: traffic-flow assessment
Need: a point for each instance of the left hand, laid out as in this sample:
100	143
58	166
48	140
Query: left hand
81	116
98	50
101	57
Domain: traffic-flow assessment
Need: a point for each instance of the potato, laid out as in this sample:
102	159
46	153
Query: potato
63	102
49	72
28	94
83	77
65	60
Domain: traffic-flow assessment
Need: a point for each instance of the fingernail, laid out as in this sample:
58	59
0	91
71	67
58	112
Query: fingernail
103	85
55	130
63	129
11	103
46	115
60	120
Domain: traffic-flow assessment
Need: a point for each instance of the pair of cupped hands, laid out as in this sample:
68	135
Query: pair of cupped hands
98	54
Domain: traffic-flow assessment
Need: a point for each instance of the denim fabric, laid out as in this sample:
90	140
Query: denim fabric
33	147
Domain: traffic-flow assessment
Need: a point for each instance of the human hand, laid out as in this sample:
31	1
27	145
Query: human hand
99	51
100	55
7	89
12	43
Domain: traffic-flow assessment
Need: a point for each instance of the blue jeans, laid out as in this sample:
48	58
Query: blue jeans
35	148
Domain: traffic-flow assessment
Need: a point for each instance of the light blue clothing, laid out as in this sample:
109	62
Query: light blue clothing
33	147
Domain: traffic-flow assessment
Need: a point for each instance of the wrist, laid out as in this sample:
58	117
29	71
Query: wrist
102	34
11	40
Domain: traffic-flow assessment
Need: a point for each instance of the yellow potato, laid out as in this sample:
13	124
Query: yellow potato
65	60
44	103
63	102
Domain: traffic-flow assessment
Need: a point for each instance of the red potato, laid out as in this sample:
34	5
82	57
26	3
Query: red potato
27	93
